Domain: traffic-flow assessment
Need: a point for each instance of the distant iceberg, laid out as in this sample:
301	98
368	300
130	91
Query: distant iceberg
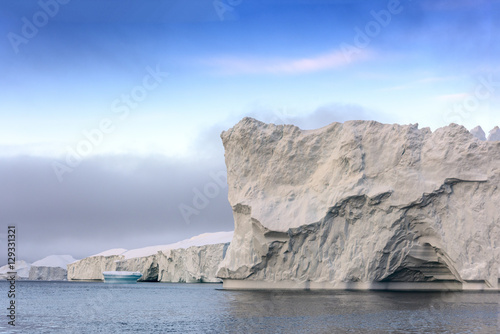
191	260
478	132
50	268
126	277
22	268
494	134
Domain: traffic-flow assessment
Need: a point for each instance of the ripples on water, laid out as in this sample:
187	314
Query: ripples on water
77	307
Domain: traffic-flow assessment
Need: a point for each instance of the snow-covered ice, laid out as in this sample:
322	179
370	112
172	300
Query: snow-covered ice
60	261
194	259
21	267
50	268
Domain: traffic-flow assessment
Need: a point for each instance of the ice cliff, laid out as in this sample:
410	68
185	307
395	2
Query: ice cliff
91	268
192	260
362	205
50	268
193	264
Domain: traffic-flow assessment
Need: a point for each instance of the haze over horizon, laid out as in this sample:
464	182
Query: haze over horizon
112	111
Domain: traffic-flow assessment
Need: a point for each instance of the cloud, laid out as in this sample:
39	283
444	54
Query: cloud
248	65
130	201
452	97
436	79
320	117
426	80
209	145
449	5
108	201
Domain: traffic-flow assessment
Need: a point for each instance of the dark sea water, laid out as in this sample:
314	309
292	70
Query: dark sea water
74	307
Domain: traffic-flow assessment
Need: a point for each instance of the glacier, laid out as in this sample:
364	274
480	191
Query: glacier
191	260
50	268
362	205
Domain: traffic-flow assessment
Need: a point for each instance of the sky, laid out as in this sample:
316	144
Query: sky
111	111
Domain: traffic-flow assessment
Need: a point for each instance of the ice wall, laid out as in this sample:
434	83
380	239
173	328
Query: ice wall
194	264
362	204
91	268
22	269
192	260
50	268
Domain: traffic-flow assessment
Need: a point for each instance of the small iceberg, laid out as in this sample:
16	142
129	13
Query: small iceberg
121	276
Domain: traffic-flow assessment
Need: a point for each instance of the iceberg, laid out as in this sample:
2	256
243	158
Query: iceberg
50	268
494	134
362	205
478	132
196	264
123	277
22	269
91	268
191	260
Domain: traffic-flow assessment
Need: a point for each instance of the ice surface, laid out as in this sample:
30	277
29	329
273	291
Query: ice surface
359	203
494	134
21	267
54	261
191	260
199	240
111	252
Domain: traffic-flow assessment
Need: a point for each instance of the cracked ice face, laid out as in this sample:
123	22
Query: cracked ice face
361	202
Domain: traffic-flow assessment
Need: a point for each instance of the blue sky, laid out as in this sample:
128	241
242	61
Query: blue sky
428	62
65	78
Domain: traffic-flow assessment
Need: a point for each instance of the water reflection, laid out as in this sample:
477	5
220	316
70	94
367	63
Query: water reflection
361	312
69	307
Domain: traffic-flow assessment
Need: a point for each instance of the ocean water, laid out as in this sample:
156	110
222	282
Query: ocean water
79	307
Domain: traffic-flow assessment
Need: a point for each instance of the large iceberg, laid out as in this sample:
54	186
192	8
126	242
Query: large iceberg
50	268
362	205
191	260
91	268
